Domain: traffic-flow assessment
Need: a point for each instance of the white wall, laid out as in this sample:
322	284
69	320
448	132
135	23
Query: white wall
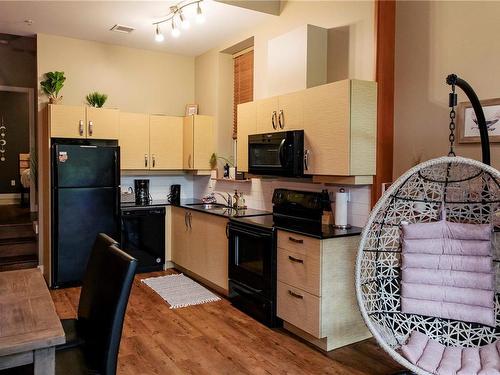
135	80
434	39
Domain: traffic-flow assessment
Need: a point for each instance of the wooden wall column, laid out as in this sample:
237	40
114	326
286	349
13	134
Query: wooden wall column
385	24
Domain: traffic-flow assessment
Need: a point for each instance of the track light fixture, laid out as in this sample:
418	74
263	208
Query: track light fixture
178	17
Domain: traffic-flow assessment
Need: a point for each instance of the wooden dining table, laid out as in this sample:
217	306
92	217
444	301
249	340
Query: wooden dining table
29	326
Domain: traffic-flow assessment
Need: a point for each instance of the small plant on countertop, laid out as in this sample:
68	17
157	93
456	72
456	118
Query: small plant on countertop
52	85
96	99
213	161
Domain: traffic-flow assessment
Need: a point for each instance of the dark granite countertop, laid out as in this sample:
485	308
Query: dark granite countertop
315	231
197	205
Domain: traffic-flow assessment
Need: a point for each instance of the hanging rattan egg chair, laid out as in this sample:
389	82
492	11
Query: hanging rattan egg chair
428	261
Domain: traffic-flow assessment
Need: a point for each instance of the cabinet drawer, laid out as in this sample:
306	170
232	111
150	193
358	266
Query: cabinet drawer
299	308
299	270
299	244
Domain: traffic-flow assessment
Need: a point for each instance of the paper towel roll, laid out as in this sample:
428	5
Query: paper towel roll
341	208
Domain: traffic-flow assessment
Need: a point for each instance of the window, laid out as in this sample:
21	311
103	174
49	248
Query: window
243	83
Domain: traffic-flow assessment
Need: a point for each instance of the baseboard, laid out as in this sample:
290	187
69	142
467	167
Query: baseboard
10	198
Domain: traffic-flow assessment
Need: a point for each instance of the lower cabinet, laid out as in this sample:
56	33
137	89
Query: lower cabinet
316	296
200	246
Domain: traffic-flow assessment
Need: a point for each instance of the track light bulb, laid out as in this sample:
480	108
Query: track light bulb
158	35
200	17
185	24
175	30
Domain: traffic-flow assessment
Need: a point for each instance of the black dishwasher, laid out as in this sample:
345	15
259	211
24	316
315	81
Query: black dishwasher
143	236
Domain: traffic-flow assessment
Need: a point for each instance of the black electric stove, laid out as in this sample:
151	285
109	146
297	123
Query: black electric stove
252	248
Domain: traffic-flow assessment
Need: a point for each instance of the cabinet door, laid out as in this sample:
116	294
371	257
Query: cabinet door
247	123
134	141
204	143
291	111
187	143
200	237
103	123
181	238
267	113
216	251
67	121
327	128
165	142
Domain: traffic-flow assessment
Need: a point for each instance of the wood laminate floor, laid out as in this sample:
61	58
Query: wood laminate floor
216	338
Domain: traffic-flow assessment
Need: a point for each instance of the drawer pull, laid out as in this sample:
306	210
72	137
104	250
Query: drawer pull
296	260
296	295
295	240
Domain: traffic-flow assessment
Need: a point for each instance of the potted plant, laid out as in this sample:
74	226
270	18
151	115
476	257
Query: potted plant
96	99
52	85
213	166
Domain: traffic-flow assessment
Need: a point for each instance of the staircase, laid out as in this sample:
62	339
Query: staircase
18	246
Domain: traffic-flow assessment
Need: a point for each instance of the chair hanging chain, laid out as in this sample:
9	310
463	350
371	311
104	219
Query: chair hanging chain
452	104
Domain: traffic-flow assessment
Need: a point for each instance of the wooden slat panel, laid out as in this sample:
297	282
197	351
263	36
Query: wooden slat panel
243	84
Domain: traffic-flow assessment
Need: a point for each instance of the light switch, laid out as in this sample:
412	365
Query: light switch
12	182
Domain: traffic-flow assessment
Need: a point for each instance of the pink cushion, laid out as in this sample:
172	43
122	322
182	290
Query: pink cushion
447	271
433	357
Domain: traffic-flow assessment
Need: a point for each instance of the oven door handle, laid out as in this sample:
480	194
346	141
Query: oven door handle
249	289
281	153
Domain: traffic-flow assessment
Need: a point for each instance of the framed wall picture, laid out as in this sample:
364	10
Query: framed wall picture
191	109
468	130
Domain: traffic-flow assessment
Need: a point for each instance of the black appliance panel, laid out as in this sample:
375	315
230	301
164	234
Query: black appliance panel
143	237
85	166
303	205
278	153
80	214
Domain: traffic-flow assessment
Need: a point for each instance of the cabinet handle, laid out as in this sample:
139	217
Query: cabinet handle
91	128
295	240
146	160
185	220
296	295
80	127
281	119
154	161
296	260
189	220
227	230
273	120
306	160
189	161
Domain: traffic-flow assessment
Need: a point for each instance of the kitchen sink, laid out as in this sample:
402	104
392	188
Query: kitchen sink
212	206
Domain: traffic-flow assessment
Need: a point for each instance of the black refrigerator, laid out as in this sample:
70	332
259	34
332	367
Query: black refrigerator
85	202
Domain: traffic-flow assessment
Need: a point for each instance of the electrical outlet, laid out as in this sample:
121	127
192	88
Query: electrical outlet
12	182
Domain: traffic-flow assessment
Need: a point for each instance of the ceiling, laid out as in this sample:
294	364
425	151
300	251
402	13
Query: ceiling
91	20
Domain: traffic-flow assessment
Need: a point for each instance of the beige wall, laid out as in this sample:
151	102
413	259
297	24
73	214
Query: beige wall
434	39
356	18
135	80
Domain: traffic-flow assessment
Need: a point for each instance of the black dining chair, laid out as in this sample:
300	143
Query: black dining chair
75	329
109	283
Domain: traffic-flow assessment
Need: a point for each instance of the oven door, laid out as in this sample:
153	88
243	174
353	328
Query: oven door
251	258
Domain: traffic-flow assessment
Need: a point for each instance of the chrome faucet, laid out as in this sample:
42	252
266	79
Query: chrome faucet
228	200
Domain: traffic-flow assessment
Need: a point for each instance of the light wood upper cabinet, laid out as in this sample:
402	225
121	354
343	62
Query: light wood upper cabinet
166	142
327	127
340	128
267	115
291	111
134	140
247	124
67	121
198	142
103	123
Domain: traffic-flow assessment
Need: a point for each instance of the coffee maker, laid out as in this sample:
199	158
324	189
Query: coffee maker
142	192
175	194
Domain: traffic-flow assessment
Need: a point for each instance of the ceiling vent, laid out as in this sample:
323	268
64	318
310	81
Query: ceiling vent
122	29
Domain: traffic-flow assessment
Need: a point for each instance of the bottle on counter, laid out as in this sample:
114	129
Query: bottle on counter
236	200
226	170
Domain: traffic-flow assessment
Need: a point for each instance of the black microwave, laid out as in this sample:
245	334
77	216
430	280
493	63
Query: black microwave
277	154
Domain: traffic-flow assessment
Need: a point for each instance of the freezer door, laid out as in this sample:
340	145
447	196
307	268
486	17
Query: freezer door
80	214
85	166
